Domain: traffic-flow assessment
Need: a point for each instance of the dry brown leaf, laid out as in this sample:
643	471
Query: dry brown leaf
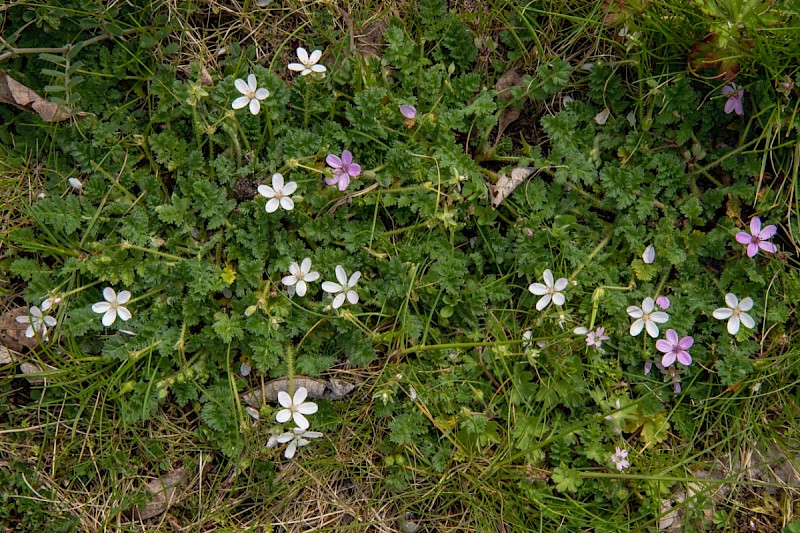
335	389
12	333
205	77
505	185
510	113
370	38
14	93
166	491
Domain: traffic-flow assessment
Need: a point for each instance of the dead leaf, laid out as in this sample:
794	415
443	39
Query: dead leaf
205	77
370	38
14	93
12	333
166	491
335	389
511	113
505	185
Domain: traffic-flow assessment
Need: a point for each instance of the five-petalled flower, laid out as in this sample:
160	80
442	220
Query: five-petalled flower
308	64
343	289
300	276
113	306
620	458
675	348
251	94
595	338
735	313
646	318
343	169
38	322
734	103
279	194
296	438
757	238
295	407
549	291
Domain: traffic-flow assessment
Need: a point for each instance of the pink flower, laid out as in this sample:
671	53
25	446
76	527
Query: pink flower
620	459
408	111
757	238
343	169
734	102
662	302
596	338
675	348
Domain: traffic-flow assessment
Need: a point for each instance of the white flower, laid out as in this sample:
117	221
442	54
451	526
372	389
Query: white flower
113	306
735	313
649	255
296	438
252	94
549	291
295	408
279	194
76	184
300	276
307	64
38	322
646	318
344	287
52	299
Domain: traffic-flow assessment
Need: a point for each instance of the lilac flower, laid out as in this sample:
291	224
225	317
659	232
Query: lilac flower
649	255
734	102
662	302
757	238
595	338
343	169
620	459
735	313
646	318
675	348
408	111
551	290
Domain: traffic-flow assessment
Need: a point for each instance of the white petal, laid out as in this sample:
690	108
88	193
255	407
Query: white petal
289	188
558	298
241	86
305	266
289	280
109	317
318	68
548	277
255	106
746	304
283	416
315	56
543	301
287	203
123	314
331	287
307	408
302	55
747	320
722	313
306	72
561	284
266	191
354	279
290	449
659	316
262	94
123	297
312	276
29	332
99	307
733	325
648	304
284	399
312	434
338	301
252	83
352	297
277	182
651	328
635	312
649	255
109	294
297	67
300	396
301	288
35	312
341	275
283	438
272	205
637	327
27	320
731	300
50	321
300	420
538	289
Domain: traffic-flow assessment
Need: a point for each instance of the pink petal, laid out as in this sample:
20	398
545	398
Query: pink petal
727	89
354	169
344	181
672	337
744	238
664	346
684	358
347	158
668	359
334	161
768	247
730	105
686	343
767	232
752	249
755	225
332	181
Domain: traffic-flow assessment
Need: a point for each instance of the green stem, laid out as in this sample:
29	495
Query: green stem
129	246
597	250
290	365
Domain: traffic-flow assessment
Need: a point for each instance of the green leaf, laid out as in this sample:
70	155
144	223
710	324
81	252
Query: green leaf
566	479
